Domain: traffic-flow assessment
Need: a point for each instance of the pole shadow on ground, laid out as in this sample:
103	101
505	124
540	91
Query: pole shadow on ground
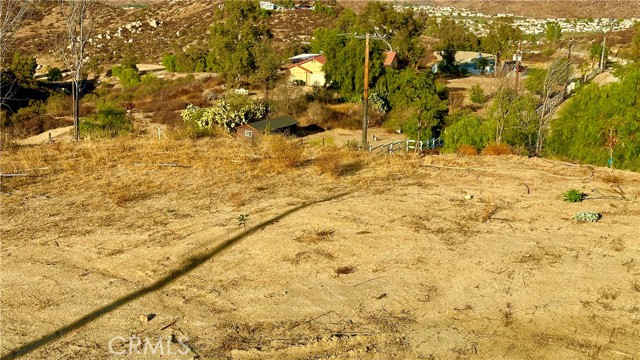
190	265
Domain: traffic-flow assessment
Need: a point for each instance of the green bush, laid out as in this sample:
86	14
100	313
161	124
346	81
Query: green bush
600	125
169	62
54	74
59	104
573	196
110	121
477	94
128	76
468	129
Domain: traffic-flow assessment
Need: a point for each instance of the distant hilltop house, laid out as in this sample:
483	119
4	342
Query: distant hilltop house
306	69
282	124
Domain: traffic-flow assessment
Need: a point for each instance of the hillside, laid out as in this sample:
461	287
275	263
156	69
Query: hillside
249	252
536	8
148	31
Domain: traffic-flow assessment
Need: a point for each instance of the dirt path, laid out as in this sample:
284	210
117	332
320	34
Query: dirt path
58	134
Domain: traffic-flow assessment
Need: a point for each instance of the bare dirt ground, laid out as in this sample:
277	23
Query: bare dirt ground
389	259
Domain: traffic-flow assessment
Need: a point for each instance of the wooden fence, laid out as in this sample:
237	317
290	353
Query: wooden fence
406	145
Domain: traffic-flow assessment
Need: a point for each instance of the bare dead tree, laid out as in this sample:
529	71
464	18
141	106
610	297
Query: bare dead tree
73	53
553	93
12	14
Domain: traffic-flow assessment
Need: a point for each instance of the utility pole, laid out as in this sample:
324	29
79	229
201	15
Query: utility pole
365	119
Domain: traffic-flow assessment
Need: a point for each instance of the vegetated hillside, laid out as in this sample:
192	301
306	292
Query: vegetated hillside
536	8
149	30
252	252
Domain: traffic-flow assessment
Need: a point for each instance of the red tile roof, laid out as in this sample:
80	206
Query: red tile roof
320	58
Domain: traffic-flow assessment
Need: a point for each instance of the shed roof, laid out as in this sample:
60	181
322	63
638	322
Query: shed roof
389	57
275	123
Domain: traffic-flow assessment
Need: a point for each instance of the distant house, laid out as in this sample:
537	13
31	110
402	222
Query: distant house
282	124
268	5
306	69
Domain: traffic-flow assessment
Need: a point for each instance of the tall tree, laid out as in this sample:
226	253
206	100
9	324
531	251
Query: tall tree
501	38
12	14
553	92
415	93
267	65
235	40
553	32
402	28
79	27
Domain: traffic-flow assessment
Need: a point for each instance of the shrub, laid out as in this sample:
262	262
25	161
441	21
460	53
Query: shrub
58	104
54	74
573	196
496	149
587	216
468	129
169	62
128	76
477	95
224	114
110	121
467	150
280	152
330	161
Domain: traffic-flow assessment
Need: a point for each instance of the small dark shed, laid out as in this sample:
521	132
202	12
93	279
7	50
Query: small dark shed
282	124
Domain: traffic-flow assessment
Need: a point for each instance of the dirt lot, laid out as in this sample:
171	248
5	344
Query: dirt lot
243	253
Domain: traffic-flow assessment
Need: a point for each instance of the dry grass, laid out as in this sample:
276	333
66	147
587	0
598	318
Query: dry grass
315	236
280	152
611	179
467	150
496	149
336	162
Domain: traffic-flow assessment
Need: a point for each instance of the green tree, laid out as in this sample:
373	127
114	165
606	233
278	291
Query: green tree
344	68
501	38
553	89
477	95
23	66
553	32
414	92
468	129
54	74
169	62
482	63
601	123
449	65
403	27
514	117
267	65
235	40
